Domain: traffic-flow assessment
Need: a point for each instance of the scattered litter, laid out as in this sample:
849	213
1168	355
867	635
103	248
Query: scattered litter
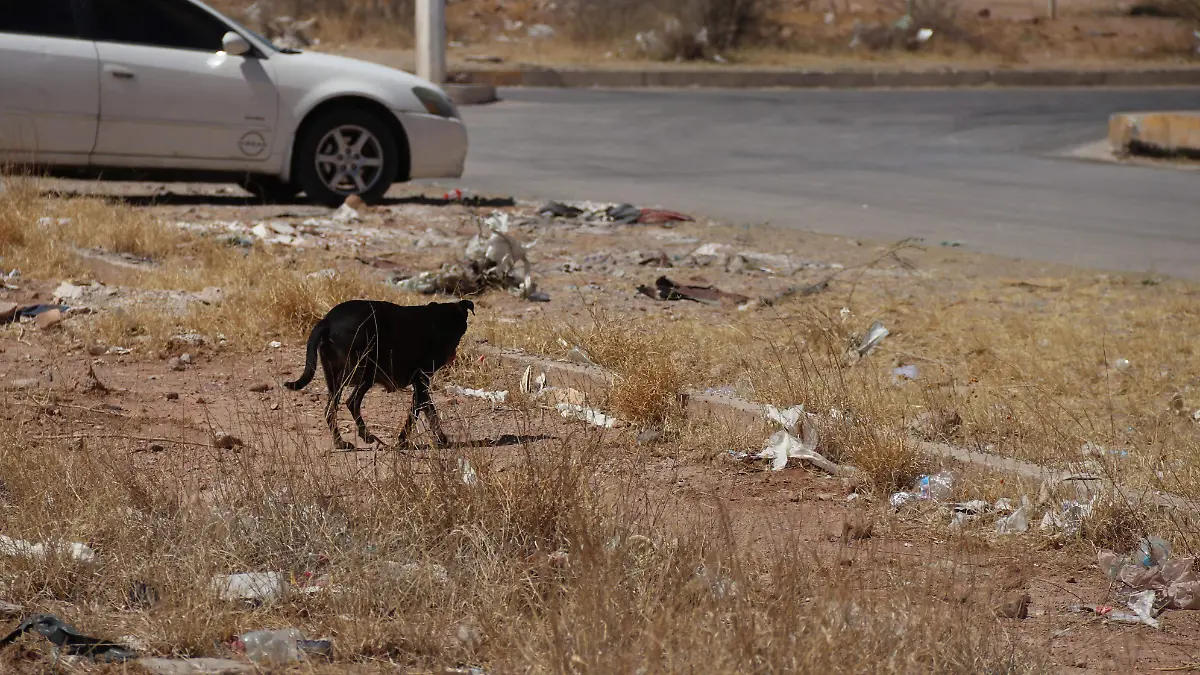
274	344
782	446
586	414
560	210
909	372
196	666
937	487
493	396
68	640
255	586
665	289
874	336
786	418
40	551
1069	520
1121	364
1016	522
489	262
1142	604
539	31
1150	568
271	646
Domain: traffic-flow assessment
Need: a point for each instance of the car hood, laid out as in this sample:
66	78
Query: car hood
306	71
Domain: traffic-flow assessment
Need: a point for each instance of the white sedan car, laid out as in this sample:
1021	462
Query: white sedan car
174	89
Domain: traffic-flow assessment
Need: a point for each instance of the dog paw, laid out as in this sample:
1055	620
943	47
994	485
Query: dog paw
342	444
372	439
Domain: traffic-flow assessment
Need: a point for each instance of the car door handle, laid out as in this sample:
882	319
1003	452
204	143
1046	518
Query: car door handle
119	72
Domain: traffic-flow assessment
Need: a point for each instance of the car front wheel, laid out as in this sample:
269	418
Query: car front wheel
345	152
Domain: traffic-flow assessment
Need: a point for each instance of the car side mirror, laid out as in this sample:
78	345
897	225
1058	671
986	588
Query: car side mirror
234	44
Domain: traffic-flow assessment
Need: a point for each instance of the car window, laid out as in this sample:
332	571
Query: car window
51	18
174	24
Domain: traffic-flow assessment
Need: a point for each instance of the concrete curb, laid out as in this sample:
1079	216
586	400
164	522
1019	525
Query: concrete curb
731	411
1156	134
735	78
471	94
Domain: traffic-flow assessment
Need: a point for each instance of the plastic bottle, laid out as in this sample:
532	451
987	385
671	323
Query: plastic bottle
1153	551
272	646
937	487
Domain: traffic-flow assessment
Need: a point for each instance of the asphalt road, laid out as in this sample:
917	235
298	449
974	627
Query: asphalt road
979	166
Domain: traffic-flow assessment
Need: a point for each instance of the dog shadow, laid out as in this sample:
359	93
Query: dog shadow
502	441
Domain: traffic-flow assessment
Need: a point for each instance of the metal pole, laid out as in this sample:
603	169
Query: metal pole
1052	8
431	40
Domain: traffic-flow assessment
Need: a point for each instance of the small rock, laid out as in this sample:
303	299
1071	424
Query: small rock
175	363
355	202
25	383
68	291
274	344
48	319
97	350
826	496
1015	605
226	441
201	400
260	387
185	359
156	447
274	406
8	310
172	396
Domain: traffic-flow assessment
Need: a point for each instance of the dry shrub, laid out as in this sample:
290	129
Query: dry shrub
648	377
338	20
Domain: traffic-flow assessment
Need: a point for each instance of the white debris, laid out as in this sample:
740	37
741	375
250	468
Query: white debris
586	414
783	446
261	231
493	396
274	344
924	34
1015	522
785	418
346	214
469	477
69	291
248	586
19	548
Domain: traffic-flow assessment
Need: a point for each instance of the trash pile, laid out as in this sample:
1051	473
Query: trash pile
620	214
1149	580
490	261
1065	520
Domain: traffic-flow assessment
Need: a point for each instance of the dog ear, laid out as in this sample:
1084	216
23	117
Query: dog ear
466	306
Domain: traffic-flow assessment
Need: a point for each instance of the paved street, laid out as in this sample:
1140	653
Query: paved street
978	166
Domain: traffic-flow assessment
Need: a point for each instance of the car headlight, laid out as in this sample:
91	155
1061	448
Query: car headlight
435	102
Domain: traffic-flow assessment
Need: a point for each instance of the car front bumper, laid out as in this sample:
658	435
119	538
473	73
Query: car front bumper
437	145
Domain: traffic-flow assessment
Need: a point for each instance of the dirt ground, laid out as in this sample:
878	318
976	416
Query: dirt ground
159	420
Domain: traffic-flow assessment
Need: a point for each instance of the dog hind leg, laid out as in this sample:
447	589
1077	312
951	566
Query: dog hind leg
334	383
354	405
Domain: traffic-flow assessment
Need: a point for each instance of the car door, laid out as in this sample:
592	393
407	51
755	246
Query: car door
49	84
169	95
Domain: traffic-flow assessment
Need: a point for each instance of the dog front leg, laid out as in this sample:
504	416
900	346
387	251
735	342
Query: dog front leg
425	405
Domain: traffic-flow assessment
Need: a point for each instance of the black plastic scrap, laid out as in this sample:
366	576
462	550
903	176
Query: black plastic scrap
665	289
69	640
560	210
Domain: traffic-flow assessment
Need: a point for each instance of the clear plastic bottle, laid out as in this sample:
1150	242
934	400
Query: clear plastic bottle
272	646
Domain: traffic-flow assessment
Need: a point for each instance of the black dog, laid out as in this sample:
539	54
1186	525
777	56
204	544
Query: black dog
367	342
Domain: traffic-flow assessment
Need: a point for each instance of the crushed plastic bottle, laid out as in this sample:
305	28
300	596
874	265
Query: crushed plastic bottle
272	646
1153	551
937	487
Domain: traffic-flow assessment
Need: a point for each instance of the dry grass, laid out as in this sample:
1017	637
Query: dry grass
432	573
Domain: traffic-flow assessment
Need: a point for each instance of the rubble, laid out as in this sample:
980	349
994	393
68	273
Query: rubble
41	551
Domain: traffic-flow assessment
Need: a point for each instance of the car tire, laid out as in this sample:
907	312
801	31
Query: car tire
269	189
343	152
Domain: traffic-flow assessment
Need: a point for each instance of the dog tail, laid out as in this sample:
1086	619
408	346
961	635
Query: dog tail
315	338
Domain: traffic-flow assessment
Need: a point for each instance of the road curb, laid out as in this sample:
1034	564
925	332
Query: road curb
735	412
471	94
739	78
1156	134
